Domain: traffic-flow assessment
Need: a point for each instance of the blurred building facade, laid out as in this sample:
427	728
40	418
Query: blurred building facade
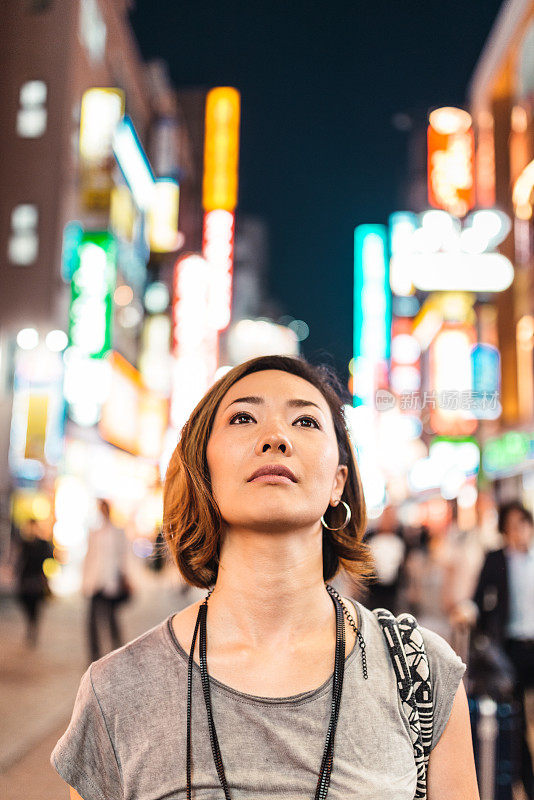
127	280
501	98
62	191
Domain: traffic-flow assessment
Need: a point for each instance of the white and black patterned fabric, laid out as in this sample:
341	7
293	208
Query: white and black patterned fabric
407	651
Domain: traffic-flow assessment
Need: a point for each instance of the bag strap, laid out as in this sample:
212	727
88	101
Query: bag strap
406	649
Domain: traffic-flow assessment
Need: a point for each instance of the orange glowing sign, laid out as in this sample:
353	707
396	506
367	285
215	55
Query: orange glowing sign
133	417
221	149
451	163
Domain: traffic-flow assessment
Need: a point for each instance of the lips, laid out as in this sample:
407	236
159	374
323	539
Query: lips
273	469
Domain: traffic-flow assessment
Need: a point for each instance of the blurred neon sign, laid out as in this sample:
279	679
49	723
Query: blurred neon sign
451	413
218	250
438	253
162	217
133	418
133	163
194	340
37	420
221	149
522	193
92	287
101	111
372	309
506	454
451	161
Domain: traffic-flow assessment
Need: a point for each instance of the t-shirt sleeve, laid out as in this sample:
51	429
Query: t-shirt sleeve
446	672
84	756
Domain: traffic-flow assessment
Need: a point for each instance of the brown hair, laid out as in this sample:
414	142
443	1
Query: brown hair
506	509
192	522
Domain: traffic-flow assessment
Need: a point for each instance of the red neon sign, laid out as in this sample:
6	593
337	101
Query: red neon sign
218	250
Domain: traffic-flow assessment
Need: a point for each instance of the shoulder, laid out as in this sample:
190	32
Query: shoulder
141	661
495	557
446	672
441	656
446	667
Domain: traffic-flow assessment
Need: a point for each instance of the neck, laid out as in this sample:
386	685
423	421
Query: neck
270	585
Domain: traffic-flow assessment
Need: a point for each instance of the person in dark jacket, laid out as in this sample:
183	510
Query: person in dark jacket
32	585
505	601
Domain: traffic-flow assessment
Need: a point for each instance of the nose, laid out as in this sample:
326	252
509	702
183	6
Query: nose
274	441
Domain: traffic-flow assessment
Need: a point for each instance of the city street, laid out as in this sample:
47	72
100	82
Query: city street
38	687
266	322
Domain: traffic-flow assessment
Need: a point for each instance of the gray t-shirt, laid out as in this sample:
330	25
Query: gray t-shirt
126	739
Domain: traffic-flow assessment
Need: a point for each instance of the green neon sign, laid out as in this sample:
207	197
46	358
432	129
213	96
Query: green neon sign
92	285
507	452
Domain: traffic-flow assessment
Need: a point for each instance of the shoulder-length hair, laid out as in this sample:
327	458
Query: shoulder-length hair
192	521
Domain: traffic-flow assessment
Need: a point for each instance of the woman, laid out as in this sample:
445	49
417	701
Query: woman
32	584
263	457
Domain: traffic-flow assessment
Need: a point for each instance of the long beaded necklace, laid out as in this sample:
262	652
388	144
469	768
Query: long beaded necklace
339	670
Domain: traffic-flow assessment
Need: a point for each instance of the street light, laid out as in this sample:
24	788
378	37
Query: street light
27	339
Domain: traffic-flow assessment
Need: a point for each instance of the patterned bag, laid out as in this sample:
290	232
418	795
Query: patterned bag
410	662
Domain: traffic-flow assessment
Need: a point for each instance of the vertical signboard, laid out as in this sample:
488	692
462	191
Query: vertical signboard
372	310
451	396
92	286
162	217
101	111
221	149
219	196
194	341
451	161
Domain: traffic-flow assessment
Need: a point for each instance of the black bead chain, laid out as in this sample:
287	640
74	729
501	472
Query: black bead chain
189	698
350	620
339	670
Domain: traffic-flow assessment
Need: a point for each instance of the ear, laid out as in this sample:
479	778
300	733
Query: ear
342	472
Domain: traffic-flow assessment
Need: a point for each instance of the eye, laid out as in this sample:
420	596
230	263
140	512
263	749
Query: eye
309	419
241	414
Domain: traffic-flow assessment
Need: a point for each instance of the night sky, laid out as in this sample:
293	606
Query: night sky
320	83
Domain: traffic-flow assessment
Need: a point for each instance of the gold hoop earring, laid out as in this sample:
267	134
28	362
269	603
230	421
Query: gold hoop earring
347	518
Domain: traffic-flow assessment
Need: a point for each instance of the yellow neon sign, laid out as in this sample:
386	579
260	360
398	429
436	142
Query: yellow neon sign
100	112
221	149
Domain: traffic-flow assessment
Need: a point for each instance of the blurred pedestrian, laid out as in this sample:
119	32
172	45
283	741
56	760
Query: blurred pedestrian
263	504
104	580
32	584
415	568
504	600
388	551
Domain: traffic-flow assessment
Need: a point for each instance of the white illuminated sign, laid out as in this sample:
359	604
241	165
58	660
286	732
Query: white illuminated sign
434	252
218	250
488	272
162	220
101	112
194	339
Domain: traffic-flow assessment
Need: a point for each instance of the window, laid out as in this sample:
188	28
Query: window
92	30
23	242
38	6
32	113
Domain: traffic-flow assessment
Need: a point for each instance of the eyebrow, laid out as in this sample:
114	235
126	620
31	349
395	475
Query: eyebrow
293	403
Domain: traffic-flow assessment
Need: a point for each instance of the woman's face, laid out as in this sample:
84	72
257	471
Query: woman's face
274	418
